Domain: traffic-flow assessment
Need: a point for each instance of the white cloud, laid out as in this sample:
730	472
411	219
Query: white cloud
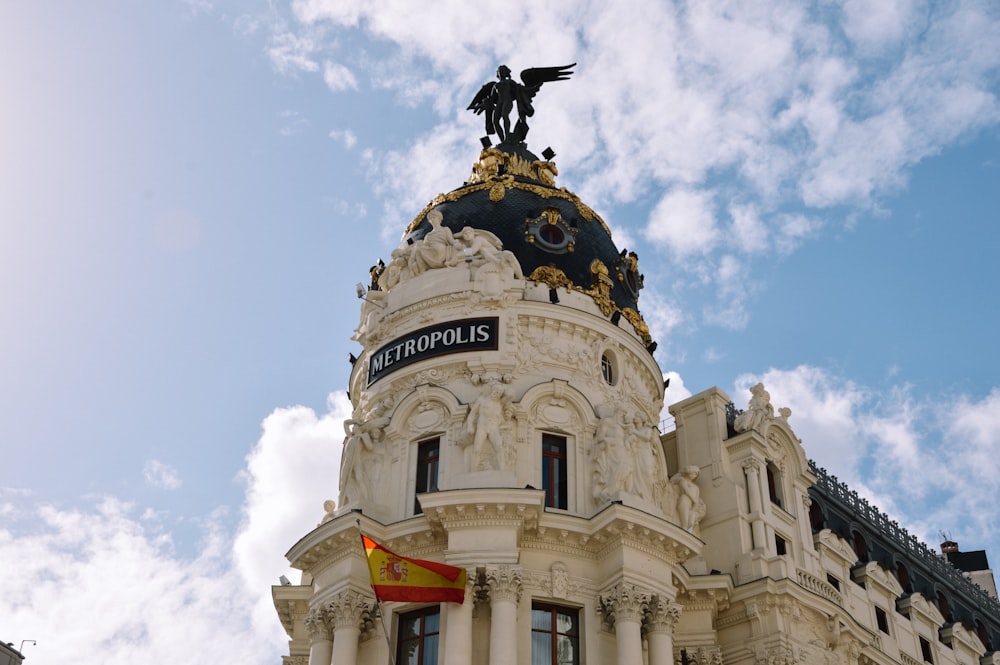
292	122
684	222
97	580
930	465
105	578
345	136
291	53
291	471
163	476
338	77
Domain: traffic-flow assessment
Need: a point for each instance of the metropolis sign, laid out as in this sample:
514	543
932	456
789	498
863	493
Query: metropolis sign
437	340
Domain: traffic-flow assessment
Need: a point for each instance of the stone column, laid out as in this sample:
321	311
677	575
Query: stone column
321	637
623	606
752	470
504	585
458	625
346	611
661	616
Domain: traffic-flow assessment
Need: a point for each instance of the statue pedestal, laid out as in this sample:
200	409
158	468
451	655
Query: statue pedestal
473	479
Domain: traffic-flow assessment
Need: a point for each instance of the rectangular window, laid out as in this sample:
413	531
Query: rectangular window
554	471
419	633
780	546
428	460
882	620
834	582
925	650
555	635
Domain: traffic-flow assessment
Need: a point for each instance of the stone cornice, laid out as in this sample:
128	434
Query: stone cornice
289	602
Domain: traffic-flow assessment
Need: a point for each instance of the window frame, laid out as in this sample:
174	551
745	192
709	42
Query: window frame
421	468
552	658
421	639
562	470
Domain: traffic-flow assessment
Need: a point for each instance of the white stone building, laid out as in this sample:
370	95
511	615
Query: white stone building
506	405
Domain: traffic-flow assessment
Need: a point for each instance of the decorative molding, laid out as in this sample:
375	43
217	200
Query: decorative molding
622	602
661	616
504	583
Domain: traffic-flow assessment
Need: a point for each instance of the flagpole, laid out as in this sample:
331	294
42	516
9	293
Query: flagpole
378	602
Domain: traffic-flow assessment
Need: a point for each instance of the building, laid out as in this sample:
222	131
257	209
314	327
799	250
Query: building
506	403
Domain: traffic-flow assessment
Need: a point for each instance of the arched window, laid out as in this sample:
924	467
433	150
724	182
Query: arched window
942	603
554	473
983	636
859	545
774	484
816	519
903	577
608	369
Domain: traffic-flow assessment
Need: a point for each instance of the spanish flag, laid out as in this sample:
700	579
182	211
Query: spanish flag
397	577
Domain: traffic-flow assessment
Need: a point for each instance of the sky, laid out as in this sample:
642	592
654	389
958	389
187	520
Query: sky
190	190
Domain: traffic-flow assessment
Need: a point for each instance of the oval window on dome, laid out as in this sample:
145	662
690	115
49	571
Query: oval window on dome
550	232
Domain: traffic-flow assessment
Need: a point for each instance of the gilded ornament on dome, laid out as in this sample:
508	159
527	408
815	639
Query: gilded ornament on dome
601	287
551	275
635	318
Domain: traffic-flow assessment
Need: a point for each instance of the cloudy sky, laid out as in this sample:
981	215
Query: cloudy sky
191	189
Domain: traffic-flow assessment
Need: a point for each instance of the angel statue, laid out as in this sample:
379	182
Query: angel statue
496	99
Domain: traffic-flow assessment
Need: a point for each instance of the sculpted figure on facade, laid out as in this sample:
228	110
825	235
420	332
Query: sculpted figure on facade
614	465
759	410
484	247
362	461
643	454
484	423
436	248
690	507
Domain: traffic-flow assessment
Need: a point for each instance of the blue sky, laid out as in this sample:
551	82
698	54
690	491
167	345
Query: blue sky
191	190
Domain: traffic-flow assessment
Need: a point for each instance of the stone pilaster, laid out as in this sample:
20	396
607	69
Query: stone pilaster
504	584
623	606
751	468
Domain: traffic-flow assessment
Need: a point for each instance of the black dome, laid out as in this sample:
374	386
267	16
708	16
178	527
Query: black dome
556	238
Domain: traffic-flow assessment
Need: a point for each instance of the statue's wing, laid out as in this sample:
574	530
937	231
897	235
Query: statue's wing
532	79
483	99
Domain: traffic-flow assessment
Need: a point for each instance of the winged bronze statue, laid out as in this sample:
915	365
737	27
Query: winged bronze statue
496	99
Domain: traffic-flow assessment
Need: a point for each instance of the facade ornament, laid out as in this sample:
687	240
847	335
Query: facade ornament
348	609
482	247
318	624
760	413
701	656
614	465
329	508
436	248
484	423
690	507
362	461
504	584
623	602
661	616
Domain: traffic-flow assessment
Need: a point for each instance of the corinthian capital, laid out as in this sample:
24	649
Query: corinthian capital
348	609
316	621
623	602
661	616
504	583
751	465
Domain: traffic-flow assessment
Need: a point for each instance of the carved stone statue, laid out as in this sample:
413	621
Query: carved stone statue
496	99
329	508
614	463
758	410
644	454
435	250
690	507
362	460
486	417
486	248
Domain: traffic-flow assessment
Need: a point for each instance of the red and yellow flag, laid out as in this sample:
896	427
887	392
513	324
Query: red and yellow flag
400	578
